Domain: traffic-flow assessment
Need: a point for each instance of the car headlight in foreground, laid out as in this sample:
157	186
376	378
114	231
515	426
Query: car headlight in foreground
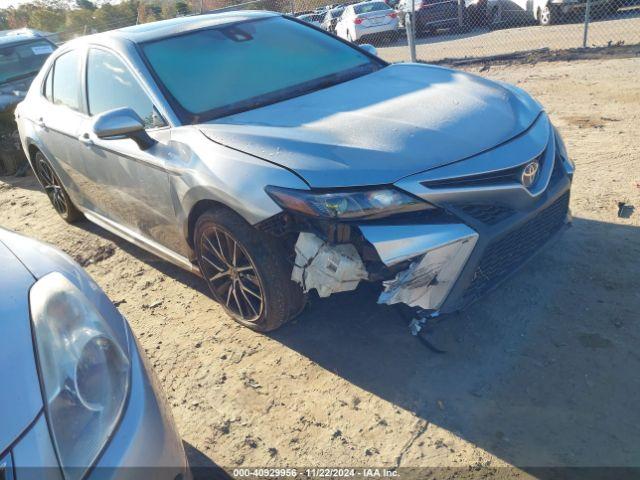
84	368
347	204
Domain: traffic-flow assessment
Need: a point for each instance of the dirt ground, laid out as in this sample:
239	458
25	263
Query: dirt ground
542	372
620	28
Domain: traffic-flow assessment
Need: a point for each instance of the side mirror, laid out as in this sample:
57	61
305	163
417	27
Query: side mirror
367	47
122	123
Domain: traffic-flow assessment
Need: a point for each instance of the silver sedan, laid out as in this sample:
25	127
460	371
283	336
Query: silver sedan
274	159
78	400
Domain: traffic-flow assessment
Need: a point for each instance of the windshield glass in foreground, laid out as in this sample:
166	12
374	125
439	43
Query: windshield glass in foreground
223	70
23	59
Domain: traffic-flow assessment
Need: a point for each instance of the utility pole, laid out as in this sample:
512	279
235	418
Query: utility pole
587	14
410	27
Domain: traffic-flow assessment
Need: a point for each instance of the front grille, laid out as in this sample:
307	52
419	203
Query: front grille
489	214
504	256
489	179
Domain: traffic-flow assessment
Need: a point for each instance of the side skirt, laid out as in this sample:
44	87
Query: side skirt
143	242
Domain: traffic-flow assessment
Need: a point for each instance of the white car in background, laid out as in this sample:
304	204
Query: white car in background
367	19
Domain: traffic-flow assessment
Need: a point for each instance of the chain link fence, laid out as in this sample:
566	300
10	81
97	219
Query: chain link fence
444	30
439	30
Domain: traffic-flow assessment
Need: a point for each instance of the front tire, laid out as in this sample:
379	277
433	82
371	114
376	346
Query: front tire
54	190
247	271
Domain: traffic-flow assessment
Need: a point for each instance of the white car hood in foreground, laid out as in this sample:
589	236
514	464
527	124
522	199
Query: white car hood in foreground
376	129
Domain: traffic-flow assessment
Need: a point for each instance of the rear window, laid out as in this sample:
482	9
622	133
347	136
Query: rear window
23	60
370	7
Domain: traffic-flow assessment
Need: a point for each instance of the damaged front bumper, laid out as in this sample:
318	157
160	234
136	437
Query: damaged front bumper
442	264
443	267
437	254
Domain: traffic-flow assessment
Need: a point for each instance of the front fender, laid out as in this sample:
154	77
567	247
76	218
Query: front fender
208	171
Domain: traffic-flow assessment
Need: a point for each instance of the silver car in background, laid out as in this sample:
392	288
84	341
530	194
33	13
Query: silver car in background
78	398
273	159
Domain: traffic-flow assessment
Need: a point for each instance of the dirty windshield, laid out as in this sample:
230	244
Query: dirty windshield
250	64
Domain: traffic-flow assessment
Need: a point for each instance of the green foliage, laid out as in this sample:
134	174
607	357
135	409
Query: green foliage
72	18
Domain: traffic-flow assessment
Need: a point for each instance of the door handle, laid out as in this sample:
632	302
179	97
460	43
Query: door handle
85	139
40	123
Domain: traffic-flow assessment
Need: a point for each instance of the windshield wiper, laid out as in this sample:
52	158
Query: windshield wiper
19	77
288	92
343	76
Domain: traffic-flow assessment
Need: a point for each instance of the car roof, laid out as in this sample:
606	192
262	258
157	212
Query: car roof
18	37
175	26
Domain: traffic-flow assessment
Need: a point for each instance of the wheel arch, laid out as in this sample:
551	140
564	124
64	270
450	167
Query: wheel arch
32	150
198	208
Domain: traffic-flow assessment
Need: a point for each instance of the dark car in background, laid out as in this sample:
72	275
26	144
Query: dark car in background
429	14
21	56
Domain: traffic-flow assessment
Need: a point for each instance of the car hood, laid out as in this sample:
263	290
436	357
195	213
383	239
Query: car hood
378	128
20	395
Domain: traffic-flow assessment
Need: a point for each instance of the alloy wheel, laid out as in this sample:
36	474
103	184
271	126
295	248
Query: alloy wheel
231	274
52	187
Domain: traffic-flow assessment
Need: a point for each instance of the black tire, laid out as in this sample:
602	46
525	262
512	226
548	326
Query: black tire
260	269
55	190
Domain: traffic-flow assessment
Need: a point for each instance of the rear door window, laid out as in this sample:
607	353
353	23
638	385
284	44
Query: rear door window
66	80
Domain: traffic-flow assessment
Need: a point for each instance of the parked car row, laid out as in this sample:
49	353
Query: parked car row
351	22
376	18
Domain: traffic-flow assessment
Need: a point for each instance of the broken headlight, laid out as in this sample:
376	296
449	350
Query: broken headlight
347	204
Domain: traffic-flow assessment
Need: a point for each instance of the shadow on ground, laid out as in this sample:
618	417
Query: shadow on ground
202	468
543	372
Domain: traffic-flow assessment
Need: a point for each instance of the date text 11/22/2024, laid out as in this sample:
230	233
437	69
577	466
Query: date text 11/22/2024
314	472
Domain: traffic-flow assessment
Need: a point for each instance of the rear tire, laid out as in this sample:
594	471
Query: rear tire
246	270
55	190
